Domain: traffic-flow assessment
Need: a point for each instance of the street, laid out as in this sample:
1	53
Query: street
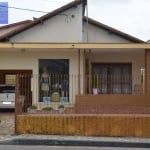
13	147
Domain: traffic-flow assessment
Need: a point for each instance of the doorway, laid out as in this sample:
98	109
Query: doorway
23	77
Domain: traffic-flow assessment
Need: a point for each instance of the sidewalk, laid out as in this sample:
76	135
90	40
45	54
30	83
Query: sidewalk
74	141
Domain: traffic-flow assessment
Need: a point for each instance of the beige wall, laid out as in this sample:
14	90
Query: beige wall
137	58
29	60
147	72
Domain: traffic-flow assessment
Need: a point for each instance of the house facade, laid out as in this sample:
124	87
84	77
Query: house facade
52	50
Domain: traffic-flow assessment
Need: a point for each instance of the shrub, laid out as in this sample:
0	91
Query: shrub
61	106
48	108
33	107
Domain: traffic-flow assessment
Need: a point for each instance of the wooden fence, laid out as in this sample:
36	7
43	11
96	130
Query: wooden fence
85	125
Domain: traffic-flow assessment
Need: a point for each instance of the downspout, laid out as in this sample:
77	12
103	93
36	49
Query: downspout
90	73
79	73
87	23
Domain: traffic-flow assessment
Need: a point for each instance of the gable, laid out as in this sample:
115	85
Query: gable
101	33
64	27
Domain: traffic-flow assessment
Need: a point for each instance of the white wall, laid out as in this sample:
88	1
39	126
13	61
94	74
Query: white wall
65	27
99	35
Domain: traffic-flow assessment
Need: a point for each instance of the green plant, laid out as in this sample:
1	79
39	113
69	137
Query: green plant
96	81
61	109
48	108
33	107
61	106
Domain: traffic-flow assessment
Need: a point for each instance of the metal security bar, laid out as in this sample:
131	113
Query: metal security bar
111	84
61	91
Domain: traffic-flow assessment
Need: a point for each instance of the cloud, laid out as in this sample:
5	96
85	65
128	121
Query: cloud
130	16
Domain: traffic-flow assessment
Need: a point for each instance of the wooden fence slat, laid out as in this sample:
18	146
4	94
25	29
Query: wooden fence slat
87	125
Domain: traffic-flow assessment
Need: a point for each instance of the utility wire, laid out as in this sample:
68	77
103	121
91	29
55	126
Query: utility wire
25	9
56	1
32	10
28	9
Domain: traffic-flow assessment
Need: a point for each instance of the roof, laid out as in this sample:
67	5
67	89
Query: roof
8	29
6	36
113	30
13	29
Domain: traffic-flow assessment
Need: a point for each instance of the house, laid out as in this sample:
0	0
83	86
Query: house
69	54
8	29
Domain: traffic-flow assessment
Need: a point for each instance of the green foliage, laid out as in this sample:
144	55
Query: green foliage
48	108
61	106
33	107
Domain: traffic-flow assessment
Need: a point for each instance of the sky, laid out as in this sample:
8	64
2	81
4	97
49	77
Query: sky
129	16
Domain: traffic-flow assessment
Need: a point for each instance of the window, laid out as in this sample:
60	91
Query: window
54	80
10	79
112	78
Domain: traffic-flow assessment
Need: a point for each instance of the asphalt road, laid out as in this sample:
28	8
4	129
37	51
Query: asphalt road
12	147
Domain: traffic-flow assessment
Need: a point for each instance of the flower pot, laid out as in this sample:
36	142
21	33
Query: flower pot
61	110
32	111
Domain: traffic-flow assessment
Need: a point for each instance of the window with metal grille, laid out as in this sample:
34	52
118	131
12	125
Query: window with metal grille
10	79
112	78
54	80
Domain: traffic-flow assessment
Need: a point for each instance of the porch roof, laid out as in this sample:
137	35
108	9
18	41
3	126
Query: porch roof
4	45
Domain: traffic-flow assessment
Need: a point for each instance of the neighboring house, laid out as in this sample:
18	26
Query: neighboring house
61	73
10	29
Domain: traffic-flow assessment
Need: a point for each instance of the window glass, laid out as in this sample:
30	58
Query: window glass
54	80
112	78
10	79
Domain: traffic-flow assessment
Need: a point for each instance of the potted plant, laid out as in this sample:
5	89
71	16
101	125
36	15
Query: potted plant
61	109
32	109
47	109
96	83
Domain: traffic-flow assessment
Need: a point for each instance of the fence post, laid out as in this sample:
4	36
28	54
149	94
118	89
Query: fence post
18	102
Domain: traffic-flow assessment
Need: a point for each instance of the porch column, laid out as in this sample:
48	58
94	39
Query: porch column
90	72
87	71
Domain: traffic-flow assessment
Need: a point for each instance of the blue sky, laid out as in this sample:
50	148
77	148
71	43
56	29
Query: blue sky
129	16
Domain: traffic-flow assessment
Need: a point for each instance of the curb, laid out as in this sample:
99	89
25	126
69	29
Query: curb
52	142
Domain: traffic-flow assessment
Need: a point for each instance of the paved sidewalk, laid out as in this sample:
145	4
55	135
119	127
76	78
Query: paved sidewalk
74	141
7	123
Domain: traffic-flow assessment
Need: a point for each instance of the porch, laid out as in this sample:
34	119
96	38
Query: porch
74	103
83	79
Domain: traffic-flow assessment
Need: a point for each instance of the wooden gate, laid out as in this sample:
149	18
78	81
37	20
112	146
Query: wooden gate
23	89
22	81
